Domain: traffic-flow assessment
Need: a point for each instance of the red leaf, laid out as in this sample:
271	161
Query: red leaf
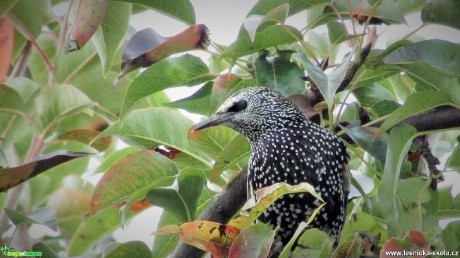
6	47
84	19
129	174
392	244
417	238
86	136
225	82
147	47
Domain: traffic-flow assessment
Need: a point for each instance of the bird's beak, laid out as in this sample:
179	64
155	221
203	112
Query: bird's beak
213	121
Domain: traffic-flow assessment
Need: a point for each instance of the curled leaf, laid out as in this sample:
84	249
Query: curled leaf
210	236
147	47
265	197
84	18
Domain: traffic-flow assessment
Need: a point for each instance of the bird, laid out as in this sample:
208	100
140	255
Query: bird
287	147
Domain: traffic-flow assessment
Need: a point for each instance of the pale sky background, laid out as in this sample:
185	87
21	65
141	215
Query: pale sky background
223	19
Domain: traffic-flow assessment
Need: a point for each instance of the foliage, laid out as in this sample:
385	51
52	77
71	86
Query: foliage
67	92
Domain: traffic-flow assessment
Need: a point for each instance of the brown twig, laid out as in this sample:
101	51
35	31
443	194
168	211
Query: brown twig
22	60
221	210
316	96
424	148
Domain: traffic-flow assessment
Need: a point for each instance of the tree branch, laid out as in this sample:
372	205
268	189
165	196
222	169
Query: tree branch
221	210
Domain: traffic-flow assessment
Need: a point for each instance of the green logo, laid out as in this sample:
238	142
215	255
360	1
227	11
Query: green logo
11	252
6	249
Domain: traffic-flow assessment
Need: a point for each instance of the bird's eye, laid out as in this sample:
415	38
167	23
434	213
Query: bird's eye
238	106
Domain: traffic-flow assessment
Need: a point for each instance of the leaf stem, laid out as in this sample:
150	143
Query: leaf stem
17	112
21	27
79	68
414	31
353	86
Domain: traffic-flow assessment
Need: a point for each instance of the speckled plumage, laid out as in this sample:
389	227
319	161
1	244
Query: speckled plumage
286	147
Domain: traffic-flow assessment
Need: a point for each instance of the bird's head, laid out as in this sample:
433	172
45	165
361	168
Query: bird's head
253	112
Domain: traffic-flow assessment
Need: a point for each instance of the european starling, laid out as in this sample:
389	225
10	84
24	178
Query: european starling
287	147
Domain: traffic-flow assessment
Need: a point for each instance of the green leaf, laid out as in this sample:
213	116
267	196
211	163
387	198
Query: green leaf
41	10
11	100
352	247
136	172
56	101
131	249
43	216
288	248
337	32
111	32
272	36
197	103
314	14
265	197
253	241
413	190
318	244
83	70
153	127
114	157
279	73
454	159
25	87
372	94
416	103
181	198
387	10
212	140
369	139
179	9
362	221
163	245
448	206
321	46
6	5
254	22
234	154
45	250
442	12
94	229
384	107
185	70
327	83
264	6
426	75
398	145
441	55
410	6
451	236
